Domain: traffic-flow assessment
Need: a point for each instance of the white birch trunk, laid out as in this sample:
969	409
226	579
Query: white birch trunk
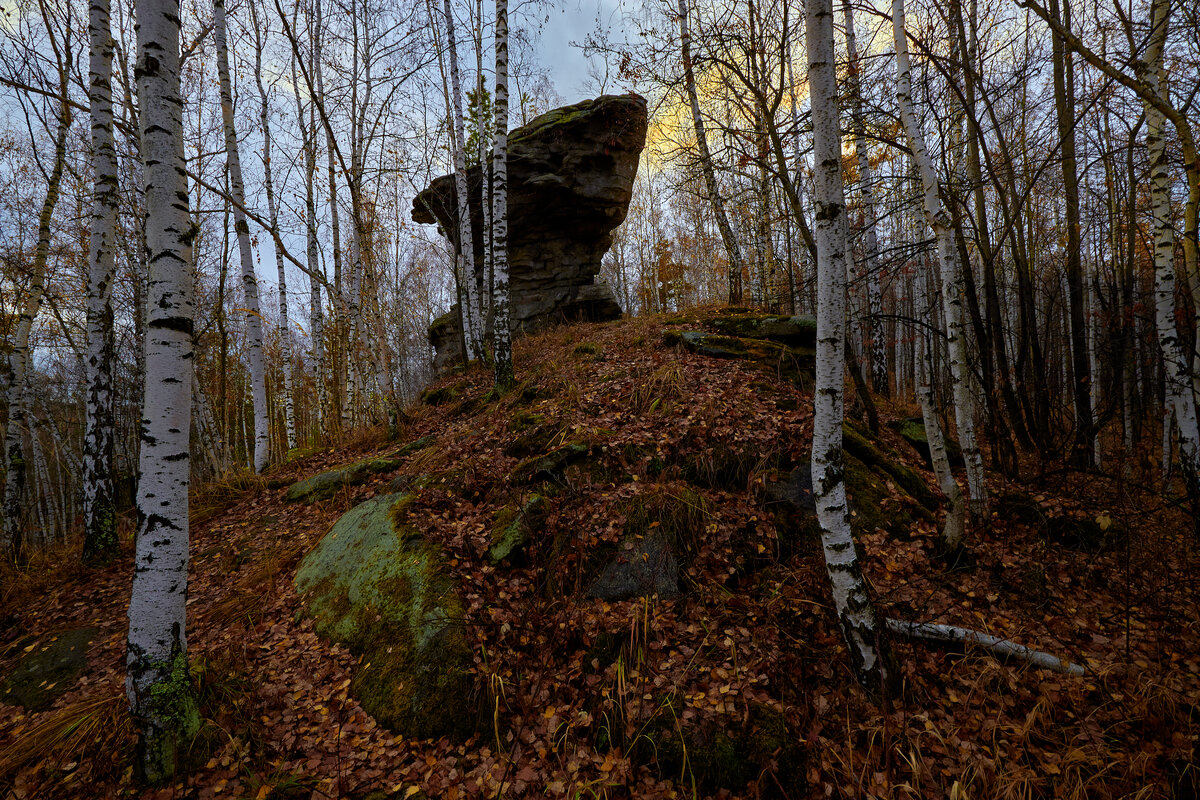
938	219
157	680
316	314
237	189
877	345
99	513
466	240
1179	394
19	412
851	600
732	249
285	336
501	332
953	531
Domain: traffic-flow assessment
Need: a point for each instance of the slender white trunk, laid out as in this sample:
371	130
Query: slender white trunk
157	679
852	602
501	338
952	533
19	411
938	219
316	314
466	239
99	513
732	249
285	336
1179	394
877	346
237	189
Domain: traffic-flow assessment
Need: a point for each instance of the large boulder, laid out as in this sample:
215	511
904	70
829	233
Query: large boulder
375	585
570	180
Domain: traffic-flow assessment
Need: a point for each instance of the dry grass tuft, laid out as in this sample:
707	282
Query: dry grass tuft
89	737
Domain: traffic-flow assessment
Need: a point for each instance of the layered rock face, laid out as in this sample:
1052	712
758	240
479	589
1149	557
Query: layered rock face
570	180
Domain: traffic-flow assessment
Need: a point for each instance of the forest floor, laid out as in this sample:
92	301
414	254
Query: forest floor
753	630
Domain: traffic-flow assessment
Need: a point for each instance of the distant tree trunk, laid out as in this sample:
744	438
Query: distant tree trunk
285	336
466	239
1064	106
501	338
938	220
852	602
237	190
878	345
954	529
19	412
316	314
158	684
1179	392
99	512
732	248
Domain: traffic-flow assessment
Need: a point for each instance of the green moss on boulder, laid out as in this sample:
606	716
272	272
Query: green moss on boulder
375	585
511	527
327	484
549	466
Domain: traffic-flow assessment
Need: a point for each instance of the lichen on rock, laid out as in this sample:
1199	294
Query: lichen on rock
377	586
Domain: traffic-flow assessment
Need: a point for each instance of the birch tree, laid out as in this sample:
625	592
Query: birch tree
866	188
157	680
466	240
237	190
19	410
501	333
1178	388
938	219
99	513
285	339
732	249
852	602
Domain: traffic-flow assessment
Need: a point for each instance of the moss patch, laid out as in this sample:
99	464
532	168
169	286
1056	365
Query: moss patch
327	484
442	395
380	588
511	527
856	443
549	466
48	669
414	446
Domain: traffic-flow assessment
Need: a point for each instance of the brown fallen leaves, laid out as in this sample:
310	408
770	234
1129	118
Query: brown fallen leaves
571	690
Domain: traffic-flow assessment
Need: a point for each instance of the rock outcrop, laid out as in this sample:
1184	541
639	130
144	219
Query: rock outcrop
377	586
570	180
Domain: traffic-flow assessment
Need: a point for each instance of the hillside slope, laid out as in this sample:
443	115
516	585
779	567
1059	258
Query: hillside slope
731	681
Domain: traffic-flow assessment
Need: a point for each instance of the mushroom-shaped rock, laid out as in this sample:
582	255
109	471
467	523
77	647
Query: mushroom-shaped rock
570	180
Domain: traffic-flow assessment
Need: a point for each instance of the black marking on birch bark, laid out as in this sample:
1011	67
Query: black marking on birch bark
180	324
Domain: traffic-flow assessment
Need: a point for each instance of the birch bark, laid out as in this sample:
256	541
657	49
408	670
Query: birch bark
157	680
285	339
938	219
1179	394
99	517
466	239
501	333
237	190
852	602
19	412
866	175
316	314
732	248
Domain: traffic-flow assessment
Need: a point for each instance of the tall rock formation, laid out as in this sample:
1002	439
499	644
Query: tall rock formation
570	180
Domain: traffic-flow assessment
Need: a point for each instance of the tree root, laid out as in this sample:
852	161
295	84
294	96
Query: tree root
1003	647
